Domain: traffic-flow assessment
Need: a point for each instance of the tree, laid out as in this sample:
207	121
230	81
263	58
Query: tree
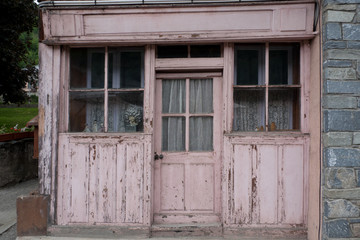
16	17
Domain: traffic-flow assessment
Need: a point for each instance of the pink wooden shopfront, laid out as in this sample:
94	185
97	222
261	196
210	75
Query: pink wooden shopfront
181	114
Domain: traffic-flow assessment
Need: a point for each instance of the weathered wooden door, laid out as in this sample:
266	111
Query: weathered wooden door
187	148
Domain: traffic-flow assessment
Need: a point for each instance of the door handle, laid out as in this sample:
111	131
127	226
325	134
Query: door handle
158	156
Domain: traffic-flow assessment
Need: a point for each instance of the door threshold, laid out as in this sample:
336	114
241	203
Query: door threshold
187	230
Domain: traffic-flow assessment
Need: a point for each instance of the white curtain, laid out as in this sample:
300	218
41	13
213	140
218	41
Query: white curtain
200	101
201	96
201	134
173	128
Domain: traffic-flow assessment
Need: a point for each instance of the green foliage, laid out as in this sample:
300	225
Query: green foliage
16	17
9	117
31	41
33	99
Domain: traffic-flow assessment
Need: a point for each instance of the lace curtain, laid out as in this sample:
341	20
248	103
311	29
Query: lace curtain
280	110
249	110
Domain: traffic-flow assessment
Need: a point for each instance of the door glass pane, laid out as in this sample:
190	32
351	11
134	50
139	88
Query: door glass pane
249	110
86	112
125	112
201	134
201	96
125	68
173	134
87	68
284	109
173	96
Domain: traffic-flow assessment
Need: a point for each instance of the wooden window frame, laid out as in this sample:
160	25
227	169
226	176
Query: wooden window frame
303	86
105	90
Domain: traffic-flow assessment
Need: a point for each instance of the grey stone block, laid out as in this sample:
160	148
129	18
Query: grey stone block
340	73
355	229
345	1
351	31
342	157
334	44
337	120
352	194
359	102
337	139
340	208
332	101
344	7
339	16
356	139
353	44
358	178
340	178
347	54
337	63
337	229
343	86
333	31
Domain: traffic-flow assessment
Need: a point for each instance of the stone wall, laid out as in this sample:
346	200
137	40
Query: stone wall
16	161
341	119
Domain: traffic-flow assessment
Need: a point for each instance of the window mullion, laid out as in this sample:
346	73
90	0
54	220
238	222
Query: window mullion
266	86
106	100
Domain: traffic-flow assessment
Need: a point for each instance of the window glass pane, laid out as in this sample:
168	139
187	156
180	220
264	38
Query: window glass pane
278	70
284	109
86	112
199	51
249	110
173	134
201	96
173	96
125	112
125	68
284	64
174	51
201	134
87	68
247	67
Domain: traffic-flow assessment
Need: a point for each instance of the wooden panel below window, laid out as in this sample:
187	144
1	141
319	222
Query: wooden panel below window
102	179
265	181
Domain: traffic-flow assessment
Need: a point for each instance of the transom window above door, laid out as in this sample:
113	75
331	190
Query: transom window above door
267	87
189	51
106	89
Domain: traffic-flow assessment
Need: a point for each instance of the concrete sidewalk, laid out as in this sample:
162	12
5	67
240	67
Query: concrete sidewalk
8	197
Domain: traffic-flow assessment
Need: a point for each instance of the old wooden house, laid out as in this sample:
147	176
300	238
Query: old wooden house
181	117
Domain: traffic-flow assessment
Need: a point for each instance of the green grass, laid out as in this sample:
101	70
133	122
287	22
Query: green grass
9	117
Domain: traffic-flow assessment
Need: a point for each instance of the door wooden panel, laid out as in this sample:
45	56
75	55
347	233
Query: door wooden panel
265	181
101	180
201	183
172	187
